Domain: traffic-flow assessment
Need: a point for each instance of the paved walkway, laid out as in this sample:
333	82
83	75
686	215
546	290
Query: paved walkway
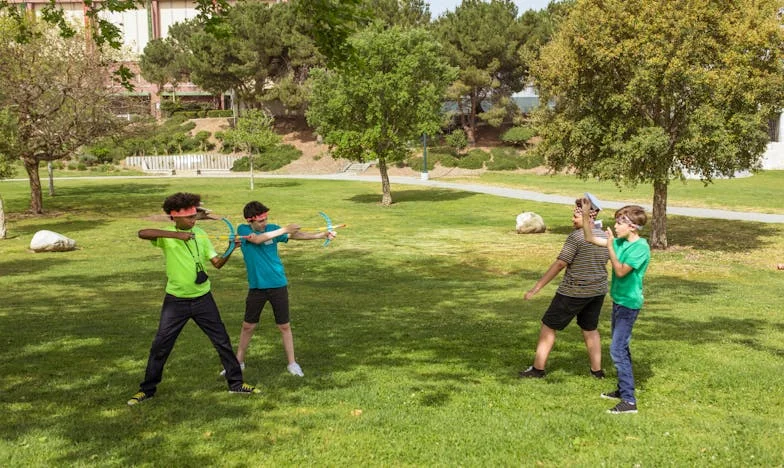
486	189
541	197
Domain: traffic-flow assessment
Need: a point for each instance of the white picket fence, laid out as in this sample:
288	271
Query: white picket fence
183	162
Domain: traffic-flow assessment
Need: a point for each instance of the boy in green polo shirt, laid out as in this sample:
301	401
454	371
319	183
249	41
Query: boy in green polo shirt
629	256
187	249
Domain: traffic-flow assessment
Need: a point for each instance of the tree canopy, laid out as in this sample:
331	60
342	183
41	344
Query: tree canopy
639	91
375	107
485	40
257	50
59	99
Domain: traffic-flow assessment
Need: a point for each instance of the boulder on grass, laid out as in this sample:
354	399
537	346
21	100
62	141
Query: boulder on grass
49	241
530	223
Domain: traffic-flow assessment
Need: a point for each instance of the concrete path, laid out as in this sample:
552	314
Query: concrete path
486	189
541	197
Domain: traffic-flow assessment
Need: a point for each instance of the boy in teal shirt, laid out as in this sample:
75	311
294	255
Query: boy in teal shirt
267	280
629	255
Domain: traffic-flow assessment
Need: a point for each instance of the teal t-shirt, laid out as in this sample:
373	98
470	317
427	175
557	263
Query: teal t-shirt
181	258
263	265
627	291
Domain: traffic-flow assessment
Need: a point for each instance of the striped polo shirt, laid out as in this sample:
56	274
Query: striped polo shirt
586	271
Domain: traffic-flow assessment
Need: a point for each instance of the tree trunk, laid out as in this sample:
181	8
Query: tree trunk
3	231
658	239
50	170
386	193
36	199
471	134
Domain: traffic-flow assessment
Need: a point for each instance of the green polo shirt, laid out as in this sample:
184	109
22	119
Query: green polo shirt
181	258
627	290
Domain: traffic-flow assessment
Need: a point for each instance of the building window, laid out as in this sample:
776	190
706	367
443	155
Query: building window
774	128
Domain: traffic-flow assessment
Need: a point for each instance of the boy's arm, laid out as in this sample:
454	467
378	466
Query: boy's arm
264	237
620	269
152	234
551	273
218	261
588	227
299	235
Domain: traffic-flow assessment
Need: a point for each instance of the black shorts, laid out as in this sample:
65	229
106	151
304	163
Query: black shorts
564	308
257	298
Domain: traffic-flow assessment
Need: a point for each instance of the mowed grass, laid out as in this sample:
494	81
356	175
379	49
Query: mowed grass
759	193
410	328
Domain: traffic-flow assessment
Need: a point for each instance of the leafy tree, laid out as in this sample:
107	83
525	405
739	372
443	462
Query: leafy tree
254	133
59	102
485	41
258	51
163	62
404	13
644	90
392	94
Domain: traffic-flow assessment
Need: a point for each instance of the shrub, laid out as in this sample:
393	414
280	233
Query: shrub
417	163
457	139
475	159
87	160
275	158
445	159
220	113
529	160
518	136
441	150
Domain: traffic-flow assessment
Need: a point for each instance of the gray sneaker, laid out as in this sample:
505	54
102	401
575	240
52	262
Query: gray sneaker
532	373
624	407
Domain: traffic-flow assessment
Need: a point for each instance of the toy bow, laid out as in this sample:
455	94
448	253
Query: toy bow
231	238
329	227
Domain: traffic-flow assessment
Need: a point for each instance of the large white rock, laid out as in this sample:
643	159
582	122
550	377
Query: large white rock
49	241
530	223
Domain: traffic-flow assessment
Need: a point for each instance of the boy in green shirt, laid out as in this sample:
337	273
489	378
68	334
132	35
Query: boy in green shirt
629	256
187	249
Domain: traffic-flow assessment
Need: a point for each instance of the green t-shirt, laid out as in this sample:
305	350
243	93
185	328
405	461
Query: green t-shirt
627	291
181	259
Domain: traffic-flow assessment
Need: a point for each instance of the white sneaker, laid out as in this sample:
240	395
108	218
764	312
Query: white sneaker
223	371
294	369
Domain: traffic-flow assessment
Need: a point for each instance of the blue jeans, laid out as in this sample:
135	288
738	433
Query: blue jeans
623	319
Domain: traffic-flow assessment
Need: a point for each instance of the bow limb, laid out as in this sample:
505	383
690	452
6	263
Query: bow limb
232	238
329	227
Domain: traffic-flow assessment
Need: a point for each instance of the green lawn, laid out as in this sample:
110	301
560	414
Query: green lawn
758	193
410	328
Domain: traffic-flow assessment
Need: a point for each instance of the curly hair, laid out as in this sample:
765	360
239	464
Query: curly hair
254	208
180	201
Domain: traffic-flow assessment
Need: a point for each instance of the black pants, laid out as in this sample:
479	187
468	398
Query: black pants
175	313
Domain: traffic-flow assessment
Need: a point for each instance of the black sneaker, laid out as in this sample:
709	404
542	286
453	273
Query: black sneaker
245	389
599	374
624	407
139	397
532	373
614	395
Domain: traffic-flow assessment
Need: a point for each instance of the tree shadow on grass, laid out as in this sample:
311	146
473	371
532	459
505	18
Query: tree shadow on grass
719	235
62	226
406	196
705	234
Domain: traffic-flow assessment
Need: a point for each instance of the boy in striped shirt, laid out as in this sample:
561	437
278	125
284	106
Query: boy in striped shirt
580	294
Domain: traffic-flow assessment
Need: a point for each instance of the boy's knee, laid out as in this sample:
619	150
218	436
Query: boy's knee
284	327
248	327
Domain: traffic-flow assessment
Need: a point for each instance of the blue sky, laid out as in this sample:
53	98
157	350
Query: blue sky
437	7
